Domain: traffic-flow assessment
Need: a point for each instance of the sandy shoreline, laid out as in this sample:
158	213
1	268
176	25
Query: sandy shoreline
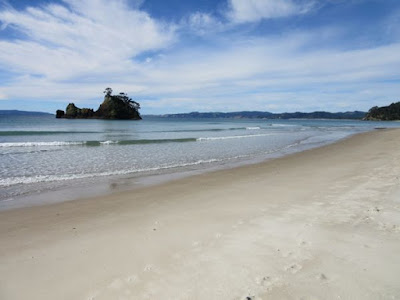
320	224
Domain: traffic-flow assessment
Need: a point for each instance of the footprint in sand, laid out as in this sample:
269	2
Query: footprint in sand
131	279
151	268
156	226
391	228
250	298
148	268
266	280
293	268
303	243
322	277
218	235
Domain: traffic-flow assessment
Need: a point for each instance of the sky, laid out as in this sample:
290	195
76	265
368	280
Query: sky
175	56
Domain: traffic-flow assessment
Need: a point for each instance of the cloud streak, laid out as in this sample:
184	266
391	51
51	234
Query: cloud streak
254	10
79	38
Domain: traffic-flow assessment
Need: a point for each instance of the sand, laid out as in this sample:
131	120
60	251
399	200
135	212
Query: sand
321	224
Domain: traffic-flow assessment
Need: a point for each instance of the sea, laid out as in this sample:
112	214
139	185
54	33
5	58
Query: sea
45	160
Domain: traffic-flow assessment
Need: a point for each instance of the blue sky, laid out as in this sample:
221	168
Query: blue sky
181	56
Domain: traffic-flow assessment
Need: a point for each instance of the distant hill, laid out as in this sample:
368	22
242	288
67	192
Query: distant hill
22	113
384	113
356	115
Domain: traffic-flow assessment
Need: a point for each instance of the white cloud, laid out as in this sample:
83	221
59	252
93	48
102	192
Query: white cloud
202	23
254	74
83	37
242	11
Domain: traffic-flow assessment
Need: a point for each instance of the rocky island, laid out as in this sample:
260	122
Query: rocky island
116	107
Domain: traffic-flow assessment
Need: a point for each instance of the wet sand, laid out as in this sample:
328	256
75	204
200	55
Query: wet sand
320	224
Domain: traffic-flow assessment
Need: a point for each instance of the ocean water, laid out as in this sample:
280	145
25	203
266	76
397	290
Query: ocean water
43	154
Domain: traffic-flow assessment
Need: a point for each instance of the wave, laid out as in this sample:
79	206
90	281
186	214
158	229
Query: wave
233	137
253	128
39	144
12	181
284	125
211	129
156	141
24	133
7	182
94	143
123	142
28	151
191	130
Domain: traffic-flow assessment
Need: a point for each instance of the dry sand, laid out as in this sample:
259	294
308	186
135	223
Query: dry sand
321	224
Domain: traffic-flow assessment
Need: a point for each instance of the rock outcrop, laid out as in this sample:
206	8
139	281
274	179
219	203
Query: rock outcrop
117	107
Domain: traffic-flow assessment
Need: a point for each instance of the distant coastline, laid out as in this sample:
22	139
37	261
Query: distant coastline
354	115
14	112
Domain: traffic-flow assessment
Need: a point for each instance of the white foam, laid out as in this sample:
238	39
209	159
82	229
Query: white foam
108	142
232	137
253	128
284	125
39	144
6	182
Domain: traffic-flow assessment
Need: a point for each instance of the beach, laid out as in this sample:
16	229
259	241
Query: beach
318	224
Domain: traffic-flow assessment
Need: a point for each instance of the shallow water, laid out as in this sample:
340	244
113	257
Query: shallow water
39	154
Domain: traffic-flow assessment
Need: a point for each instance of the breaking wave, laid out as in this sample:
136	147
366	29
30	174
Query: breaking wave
125	142
6	182
233	137
94	143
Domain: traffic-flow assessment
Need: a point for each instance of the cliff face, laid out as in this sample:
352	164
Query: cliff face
119	107
384	113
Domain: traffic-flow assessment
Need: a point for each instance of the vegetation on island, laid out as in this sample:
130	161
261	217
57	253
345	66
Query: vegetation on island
113	107
384	113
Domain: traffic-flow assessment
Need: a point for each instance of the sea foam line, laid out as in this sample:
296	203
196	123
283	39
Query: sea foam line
7	182
233	137
211	129
125	142
39	144
253	128
94	143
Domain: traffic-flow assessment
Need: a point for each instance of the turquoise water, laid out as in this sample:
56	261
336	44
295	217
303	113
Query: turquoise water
39	154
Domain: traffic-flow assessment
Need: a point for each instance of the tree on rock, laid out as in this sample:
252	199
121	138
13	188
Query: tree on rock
118	107
108	91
